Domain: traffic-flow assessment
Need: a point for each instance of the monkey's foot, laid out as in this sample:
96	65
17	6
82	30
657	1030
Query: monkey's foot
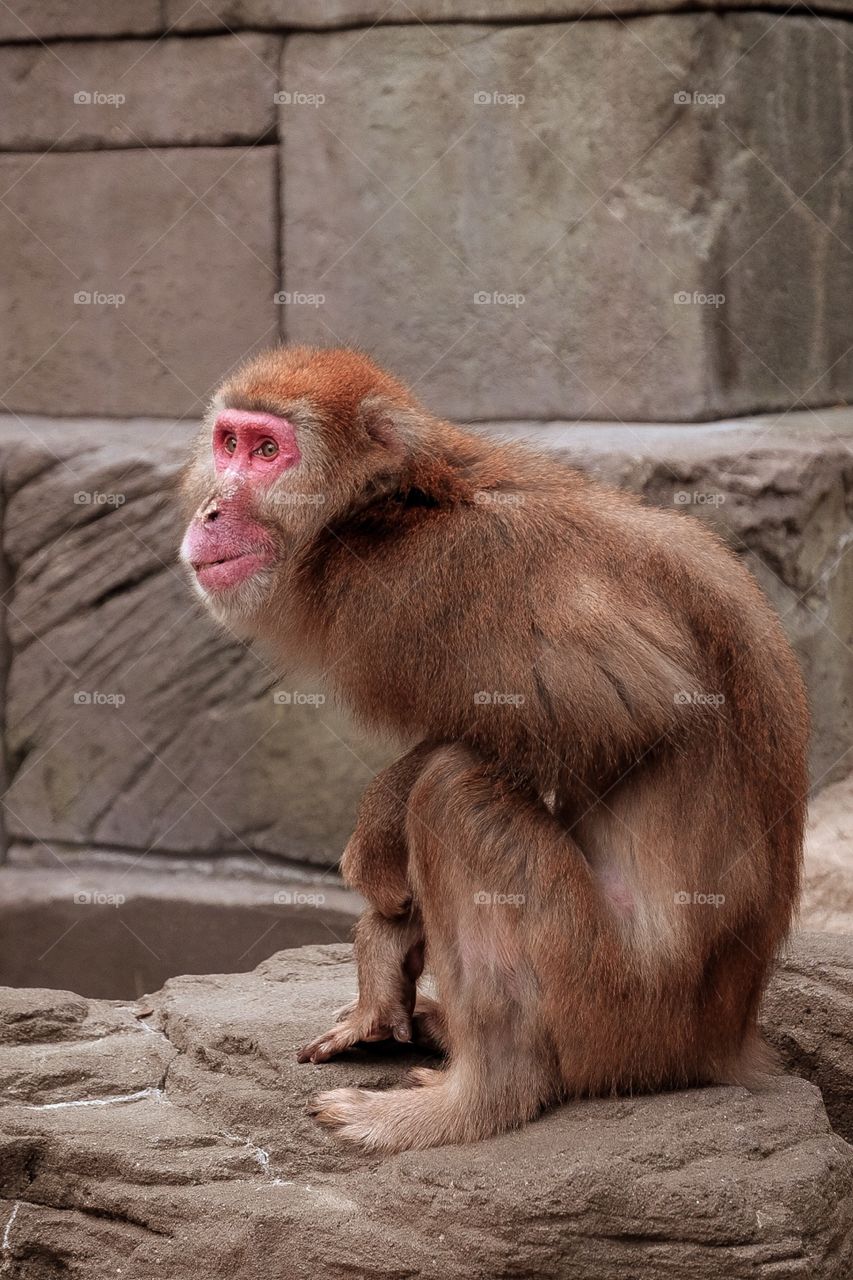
358	1026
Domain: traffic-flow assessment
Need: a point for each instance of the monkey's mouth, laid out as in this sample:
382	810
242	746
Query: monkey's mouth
222	575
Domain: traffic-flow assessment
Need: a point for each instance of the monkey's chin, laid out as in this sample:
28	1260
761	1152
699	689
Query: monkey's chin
237	605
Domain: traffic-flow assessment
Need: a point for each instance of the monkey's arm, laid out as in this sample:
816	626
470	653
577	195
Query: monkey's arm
389	936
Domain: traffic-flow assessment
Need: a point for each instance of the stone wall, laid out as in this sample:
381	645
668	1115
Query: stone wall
636	216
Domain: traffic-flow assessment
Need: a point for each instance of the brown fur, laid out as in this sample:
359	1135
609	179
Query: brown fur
441	564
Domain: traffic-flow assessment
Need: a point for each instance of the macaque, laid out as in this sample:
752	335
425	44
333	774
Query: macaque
593	841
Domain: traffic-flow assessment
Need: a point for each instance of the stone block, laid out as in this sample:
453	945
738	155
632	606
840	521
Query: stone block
80	95
606	220
136	277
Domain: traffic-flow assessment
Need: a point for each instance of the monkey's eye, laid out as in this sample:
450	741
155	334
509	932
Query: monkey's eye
267	449
230	444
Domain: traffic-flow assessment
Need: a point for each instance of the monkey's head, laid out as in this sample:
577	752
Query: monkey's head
291	442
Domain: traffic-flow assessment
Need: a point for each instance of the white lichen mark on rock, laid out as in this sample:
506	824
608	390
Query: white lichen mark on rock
152	1092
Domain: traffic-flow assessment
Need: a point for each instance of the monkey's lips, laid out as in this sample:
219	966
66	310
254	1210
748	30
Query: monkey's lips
229	572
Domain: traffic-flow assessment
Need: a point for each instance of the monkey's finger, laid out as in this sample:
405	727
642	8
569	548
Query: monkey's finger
328	1045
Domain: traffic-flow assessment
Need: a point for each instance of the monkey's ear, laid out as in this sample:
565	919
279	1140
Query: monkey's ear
395	427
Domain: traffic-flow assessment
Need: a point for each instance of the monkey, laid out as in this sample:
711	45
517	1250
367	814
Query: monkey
593	841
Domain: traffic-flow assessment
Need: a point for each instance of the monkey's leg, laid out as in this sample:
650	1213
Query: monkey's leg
389	936
493	872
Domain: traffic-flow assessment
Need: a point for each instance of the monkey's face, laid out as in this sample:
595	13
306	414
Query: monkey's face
233	542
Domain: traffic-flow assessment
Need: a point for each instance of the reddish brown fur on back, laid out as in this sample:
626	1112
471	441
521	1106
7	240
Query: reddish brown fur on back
628	795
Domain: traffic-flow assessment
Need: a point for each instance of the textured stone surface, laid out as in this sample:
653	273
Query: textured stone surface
600	199
199	756
185	237
194	1156
214	14
828	893
808	1015
42	19
125	93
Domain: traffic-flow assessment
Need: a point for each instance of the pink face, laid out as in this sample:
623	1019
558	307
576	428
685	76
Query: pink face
224	544
255	447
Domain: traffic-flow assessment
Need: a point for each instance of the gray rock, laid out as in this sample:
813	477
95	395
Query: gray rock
808	1015
431	200
126	93
828	890
184	236
132	722
218	14
200	1160
46	19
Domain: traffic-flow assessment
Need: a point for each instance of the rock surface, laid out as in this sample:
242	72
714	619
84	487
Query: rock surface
128	93
163	279
200	757
634	251
828	890
176	1144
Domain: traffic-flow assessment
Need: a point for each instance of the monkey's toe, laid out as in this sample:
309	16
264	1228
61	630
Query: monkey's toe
339	1107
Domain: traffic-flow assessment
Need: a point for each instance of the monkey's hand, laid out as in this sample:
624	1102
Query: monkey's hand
360	1024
